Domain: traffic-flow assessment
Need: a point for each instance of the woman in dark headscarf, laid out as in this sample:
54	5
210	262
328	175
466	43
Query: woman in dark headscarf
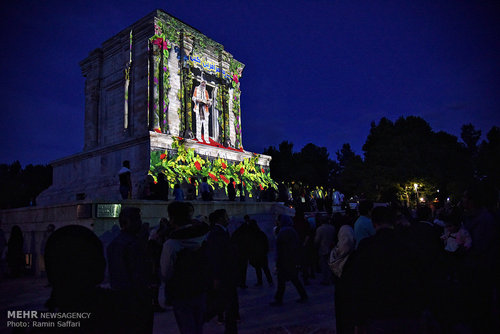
287	248
15	252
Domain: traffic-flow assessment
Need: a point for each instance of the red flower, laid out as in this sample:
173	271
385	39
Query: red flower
213	177
242	170
243	182
223	178
197	165
158	41
235	78
262	169
158	130
261	187
224	166
163	156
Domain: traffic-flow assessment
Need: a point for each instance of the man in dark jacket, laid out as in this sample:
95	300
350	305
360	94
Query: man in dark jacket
287	249
130	271
223	271
242	239
480	261
257	256
385	279
184	268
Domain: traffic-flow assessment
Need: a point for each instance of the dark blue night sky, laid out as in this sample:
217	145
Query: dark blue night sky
316	71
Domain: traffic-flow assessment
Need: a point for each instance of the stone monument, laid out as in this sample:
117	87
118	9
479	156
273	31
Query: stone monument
167	98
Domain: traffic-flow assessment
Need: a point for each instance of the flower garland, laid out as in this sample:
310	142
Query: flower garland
160	46
236	70
183	164
128	68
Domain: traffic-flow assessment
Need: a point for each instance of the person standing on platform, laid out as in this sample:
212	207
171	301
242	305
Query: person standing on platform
161	188
124	176
231	191
287	250
206	190
241	189
178	193
191	189
130	272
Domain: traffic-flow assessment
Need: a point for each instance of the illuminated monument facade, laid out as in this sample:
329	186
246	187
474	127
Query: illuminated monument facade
167	98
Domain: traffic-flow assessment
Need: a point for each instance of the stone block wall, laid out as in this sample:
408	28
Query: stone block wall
93	175
107	121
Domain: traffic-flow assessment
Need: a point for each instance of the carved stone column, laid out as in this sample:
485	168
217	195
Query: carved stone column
91	69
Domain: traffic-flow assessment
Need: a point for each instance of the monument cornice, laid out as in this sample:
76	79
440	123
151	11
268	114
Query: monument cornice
100	151
161	141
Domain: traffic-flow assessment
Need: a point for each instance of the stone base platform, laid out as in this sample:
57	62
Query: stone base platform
102	216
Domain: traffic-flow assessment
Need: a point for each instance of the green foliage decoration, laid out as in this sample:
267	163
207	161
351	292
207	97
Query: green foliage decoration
161	45
188	87
182	128
182	164
236	69
172	27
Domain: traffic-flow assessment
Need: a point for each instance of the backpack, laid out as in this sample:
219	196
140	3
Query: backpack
191	274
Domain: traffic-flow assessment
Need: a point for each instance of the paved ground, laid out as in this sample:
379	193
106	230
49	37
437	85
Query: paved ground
317	316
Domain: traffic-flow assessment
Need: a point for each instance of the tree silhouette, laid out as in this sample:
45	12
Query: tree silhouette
408	151
311	166
489	157
19	187
470	136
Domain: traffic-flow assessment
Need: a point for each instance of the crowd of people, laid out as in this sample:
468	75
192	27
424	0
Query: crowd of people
393	271
431	273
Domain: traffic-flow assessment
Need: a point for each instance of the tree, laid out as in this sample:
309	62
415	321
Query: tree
489	157
313	165
310	167
399	154
350	172
19	187
470	136
282	159
344	156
